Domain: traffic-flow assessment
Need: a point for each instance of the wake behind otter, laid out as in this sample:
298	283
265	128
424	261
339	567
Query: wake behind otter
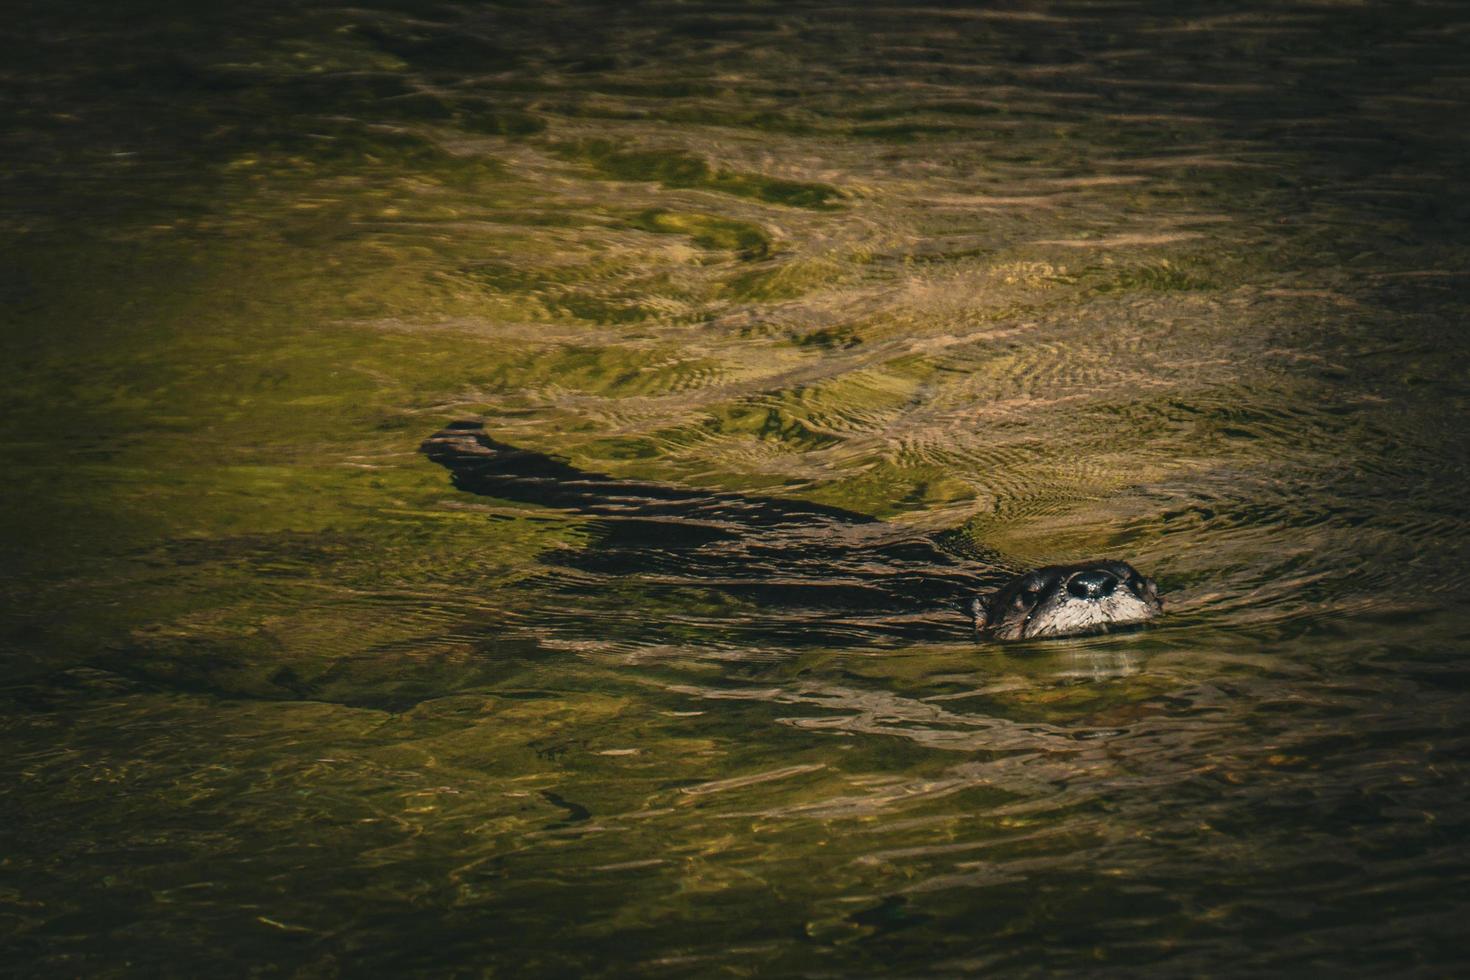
842	575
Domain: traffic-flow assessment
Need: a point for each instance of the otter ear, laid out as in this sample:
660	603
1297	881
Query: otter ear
980	609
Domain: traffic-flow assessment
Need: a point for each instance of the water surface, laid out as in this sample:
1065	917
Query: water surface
1029	283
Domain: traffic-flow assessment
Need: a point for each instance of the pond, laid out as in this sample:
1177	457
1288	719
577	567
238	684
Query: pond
1026	283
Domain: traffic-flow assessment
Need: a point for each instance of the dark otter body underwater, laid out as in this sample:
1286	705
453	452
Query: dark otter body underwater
822	563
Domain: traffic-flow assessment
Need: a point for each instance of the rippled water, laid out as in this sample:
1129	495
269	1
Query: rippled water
1184	284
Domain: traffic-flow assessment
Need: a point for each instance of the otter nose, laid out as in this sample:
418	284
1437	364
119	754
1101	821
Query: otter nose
1092	585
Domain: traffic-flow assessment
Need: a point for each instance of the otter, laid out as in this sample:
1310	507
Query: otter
829	565
1068	600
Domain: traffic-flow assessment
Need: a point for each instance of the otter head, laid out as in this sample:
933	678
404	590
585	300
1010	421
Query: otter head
1065	600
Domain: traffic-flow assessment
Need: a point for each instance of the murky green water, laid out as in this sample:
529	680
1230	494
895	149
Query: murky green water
1181	283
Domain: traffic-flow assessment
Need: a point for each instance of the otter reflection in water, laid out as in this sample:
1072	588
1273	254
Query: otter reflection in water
834	572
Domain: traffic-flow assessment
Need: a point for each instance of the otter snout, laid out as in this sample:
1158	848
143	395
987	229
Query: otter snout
1068	600
1092	584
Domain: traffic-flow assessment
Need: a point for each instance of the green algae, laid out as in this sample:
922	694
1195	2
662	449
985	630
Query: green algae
599	292
760	120
707	231
678	168
1163	276
843	337
787	278
779	424
887	489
